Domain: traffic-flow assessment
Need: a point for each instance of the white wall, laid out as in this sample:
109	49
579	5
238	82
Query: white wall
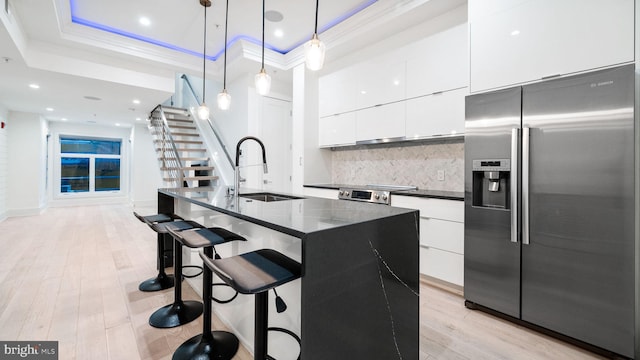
26	174
4	162
146	177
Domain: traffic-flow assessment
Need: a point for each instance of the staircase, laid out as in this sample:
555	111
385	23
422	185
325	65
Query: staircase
182	154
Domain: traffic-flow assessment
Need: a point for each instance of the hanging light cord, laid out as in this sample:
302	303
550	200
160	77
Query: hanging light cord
316	29
263	1
226	25
204	54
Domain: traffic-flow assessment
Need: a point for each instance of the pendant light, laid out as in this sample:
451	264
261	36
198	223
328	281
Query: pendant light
203	110
263	80
224	99
314	48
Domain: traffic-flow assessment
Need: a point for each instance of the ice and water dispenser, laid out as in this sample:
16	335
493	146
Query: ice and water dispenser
491	183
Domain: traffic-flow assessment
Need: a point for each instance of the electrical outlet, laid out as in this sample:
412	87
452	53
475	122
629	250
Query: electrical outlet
440	175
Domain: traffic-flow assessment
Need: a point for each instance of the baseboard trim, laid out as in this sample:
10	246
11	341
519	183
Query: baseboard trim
441	284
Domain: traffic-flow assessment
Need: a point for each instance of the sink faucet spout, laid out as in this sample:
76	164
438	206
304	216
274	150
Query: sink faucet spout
237	164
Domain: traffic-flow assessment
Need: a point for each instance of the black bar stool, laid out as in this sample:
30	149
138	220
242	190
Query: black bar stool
220	345
257	272
162	280
179	312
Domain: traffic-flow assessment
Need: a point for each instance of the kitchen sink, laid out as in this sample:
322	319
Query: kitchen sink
269	197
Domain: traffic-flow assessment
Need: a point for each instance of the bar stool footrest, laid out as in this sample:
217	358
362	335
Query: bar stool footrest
192	267
223	301
288	332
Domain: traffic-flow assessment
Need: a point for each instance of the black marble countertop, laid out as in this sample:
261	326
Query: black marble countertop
296	217
437	194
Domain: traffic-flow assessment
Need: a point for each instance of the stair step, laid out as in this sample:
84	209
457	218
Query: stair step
181	127
180	120
169	148
184	134
185	159
198	142
174	110
193	178
188	168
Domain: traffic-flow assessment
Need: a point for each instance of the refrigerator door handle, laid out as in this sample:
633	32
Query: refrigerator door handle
525	185
515	145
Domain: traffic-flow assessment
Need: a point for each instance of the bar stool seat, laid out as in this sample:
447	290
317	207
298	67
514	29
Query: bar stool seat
256	273
162	280
179	312
220	345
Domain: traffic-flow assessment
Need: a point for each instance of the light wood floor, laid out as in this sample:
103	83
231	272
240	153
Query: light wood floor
71	275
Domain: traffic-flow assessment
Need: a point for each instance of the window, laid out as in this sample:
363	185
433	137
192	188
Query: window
89	165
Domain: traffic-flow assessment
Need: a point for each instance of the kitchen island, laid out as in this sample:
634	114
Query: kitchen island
359	290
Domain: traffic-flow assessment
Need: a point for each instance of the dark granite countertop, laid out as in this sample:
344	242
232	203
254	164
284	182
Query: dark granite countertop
296	217
437	194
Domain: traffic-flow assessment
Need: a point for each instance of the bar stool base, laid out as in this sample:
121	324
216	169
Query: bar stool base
157	283
219	345
176	314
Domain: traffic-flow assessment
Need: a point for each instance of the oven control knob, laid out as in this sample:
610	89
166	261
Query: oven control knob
341	192
377	196
384	197
346	193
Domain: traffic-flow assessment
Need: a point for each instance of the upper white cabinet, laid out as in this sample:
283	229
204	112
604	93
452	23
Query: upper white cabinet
381	122
438	63
440	114
380	81
518	41
336	130
338	92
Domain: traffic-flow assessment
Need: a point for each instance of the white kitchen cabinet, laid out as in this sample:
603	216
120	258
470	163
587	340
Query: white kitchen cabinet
513	42
381	122
321	193
438	63
339	129
436	115
380	81
337	92
441	236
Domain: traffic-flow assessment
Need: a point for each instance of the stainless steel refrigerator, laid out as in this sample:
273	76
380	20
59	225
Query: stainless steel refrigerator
549	206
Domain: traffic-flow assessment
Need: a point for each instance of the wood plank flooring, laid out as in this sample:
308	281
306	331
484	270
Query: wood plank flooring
72	275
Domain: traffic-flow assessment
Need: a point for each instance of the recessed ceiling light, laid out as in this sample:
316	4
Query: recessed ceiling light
138	119
117	124
515	32
92	98
34	86
64	119
273	16
49	109
144	21
278	33
136	101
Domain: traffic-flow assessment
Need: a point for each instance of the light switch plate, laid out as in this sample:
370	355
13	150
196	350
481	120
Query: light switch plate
441	175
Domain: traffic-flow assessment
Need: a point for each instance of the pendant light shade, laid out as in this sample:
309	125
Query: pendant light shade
224	99
203	110
314	49
263	80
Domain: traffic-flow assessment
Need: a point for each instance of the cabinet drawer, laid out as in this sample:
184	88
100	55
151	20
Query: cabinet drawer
442	265
452	210
442	234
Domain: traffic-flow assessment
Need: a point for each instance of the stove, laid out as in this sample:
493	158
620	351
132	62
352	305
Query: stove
377	194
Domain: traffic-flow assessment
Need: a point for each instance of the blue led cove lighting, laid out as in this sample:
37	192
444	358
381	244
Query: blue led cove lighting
92	24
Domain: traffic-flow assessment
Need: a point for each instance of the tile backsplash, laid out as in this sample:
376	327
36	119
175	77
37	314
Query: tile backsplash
402	164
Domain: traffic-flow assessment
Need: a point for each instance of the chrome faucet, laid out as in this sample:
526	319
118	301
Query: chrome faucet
236	176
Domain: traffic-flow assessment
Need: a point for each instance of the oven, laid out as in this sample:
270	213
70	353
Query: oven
377	194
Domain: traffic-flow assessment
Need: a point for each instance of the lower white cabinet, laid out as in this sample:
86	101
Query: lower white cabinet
441	236
321	193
